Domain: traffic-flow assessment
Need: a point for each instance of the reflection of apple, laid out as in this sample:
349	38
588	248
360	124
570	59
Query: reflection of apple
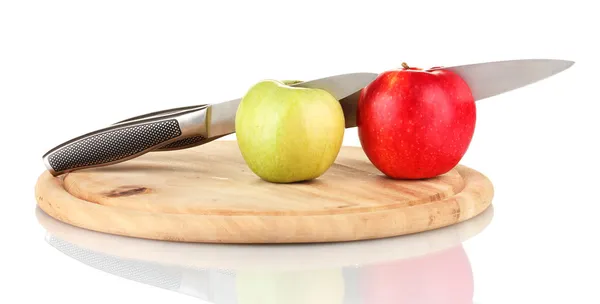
289	134
415	123
315	287
444	277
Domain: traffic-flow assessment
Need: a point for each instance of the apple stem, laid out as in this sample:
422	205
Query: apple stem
291	82
405	66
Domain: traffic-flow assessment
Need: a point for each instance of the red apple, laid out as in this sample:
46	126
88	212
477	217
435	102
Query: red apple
414	123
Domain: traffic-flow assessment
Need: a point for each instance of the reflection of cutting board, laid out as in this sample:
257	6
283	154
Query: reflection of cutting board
208	194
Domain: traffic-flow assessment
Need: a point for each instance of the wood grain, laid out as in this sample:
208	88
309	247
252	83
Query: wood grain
208	194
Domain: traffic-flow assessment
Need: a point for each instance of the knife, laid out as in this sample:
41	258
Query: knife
173	129
185	127
484	79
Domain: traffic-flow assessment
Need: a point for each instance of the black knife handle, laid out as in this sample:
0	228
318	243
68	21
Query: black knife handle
124	141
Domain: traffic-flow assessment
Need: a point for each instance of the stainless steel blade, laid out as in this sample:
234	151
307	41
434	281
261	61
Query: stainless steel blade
341	86
221	116
349	106
494	78
485	80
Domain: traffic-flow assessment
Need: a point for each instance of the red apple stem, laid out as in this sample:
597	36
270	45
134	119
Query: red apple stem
405	66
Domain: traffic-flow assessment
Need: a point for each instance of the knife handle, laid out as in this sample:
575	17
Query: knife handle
182	143
124	141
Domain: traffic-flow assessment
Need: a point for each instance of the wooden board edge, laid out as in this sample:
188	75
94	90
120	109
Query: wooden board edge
281	257
59	204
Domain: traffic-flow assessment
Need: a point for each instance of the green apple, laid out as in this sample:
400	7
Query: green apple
324	286
289	134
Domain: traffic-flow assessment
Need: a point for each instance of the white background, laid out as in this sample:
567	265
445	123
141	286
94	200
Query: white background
68	67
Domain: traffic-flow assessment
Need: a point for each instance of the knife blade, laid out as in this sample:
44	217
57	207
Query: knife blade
486	80
493	78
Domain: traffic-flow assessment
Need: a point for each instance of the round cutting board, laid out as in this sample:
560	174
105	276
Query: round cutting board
208	194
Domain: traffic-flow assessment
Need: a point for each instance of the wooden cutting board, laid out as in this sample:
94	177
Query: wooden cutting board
208	194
